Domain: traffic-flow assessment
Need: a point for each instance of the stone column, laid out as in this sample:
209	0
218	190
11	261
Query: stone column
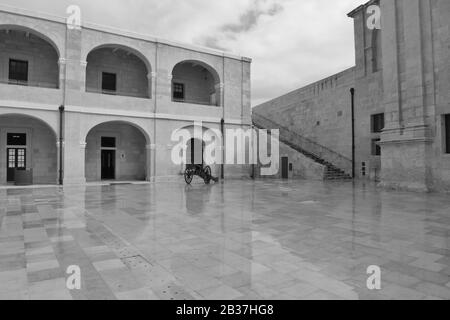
83	70
220	87
152	85
74	163
62	72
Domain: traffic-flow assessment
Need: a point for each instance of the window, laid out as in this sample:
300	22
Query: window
109	82
178	91
447	133
377	122
376	149
108	142
18	71
16	139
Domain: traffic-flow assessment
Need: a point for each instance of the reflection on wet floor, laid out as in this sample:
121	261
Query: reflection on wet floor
238	240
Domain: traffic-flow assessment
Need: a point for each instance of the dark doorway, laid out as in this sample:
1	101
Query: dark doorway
16	159
285	168
195	150
108	164
109	82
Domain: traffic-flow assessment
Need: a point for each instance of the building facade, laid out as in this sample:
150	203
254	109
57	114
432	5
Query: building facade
92	103
401	108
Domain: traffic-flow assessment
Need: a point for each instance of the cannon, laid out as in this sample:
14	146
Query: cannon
201	171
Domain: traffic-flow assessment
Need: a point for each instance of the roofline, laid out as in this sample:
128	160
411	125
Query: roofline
352	13
308	86
120	32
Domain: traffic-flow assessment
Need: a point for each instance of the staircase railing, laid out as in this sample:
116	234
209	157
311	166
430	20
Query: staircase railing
307	146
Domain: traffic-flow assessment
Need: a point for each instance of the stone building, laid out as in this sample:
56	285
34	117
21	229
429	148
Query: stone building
401	84
94	103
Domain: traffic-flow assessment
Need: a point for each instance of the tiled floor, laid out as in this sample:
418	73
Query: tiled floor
238	240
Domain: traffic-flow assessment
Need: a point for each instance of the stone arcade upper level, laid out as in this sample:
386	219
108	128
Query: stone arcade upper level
44	64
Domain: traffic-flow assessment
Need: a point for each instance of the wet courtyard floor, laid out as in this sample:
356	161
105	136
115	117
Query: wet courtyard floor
237	240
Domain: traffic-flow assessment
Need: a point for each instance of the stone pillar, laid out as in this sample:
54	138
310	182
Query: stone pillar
152	85
83	70
406	137
74	162
75	75
220	87
166	87
62	72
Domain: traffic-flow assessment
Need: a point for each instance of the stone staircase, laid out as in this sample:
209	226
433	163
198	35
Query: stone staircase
336	165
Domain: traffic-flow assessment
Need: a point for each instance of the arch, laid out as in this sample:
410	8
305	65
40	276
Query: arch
25	113
124	47
117	150
135	125
214	73
119	70
34	57
27	142
44	37
215	138
196	82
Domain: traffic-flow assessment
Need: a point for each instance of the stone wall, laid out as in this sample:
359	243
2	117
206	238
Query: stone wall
322	111
302	166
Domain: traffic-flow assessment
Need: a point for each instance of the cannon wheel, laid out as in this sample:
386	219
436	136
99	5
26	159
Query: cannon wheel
188	177
207	174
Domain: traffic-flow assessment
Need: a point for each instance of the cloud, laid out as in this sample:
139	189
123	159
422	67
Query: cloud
249	19
292	42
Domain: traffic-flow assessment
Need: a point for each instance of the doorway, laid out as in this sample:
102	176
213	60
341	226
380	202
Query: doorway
108	164
285	168
16	159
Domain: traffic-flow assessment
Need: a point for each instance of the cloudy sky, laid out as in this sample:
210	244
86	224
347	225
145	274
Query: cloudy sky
291	42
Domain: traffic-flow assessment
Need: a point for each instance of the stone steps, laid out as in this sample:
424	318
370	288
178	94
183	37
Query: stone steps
332	172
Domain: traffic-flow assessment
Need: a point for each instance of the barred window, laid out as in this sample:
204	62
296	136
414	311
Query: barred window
377	122
178	91
18	70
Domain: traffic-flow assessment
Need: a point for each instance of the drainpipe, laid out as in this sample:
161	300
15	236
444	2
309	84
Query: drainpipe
61	143
222	122
352	92
222	166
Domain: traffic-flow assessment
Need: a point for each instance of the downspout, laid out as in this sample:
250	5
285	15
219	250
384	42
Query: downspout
352	92
153	152
222	130
222	122
62	114
61	143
